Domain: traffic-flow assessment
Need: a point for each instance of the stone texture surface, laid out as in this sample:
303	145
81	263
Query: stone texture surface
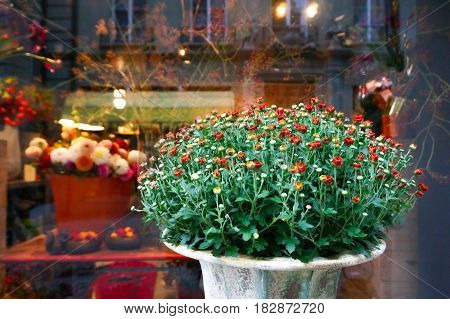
286	278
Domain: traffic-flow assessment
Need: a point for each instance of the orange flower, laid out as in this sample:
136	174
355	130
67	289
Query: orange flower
298	185
84	163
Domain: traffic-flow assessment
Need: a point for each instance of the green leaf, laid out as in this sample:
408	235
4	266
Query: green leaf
275	200
263	194
329	211
231	251
322	242
260	244
354	231
308	255
304	225
245	219
242	199
247	233
205	245
284	215
291	244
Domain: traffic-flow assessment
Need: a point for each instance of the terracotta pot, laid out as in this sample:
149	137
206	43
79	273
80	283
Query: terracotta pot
89	203
246	277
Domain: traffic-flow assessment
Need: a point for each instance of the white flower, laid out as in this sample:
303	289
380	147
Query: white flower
263	175
365	214
217	190
60	156
121	166
85	145
106	143
239	179
272	142
318	170
413	146
195	176
136	157
221	206
284	167
39	142
213	147
283	195
359	177
33	152
344	192
308	207
74	152
101	155
255	235
302	195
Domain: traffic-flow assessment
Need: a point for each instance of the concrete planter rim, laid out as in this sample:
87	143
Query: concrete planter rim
279	263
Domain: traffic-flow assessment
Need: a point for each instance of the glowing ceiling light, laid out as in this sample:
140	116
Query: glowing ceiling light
66	122
88	127
119	103
280	10
312	10
119	93
182	52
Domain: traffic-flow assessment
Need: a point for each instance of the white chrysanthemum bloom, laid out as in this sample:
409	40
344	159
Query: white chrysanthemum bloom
60	156
263	175
255	235
359	177
33	152
272	142
85	145
302	195
106	143
113	159
284	167
308	207
318	170
121	166
136	157
413	146
195	176
217	190
344	192
101	155
74	152
283	195
39	142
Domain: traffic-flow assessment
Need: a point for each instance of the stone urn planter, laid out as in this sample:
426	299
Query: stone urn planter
278	278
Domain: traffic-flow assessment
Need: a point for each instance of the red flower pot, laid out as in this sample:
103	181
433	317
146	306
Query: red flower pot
89	203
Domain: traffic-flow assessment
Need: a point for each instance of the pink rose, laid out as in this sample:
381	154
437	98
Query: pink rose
103	170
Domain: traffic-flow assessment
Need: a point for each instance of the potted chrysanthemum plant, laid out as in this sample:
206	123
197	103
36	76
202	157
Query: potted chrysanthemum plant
273	201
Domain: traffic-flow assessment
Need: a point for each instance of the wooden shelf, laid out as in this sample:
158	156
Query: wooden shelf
33	250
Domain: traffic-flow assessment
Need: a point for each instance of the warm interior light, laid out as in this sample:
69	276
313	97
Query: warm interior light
119	103
280	10
119	93
66	122
311	10
88	127
181	52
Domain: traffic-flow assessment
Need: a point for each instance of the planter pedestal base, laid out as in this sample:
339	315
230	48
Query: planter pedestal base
244	277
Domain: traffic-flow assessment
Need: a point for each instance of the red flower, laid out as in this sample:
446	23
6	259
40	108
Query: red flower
395	173
202	160
185	158
173	150
348	140
218	135
327	179
295	139
360	156
223	161
372	149
373	157
240	154
315	120
314	99
337	161
301	167
309	108
301	127
331	109
326	139
419	193
358	118
314	145
418	172
258	146
284	132
355	199
321	106
356	165
252	127
423	187
216	173
258	164
177	172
